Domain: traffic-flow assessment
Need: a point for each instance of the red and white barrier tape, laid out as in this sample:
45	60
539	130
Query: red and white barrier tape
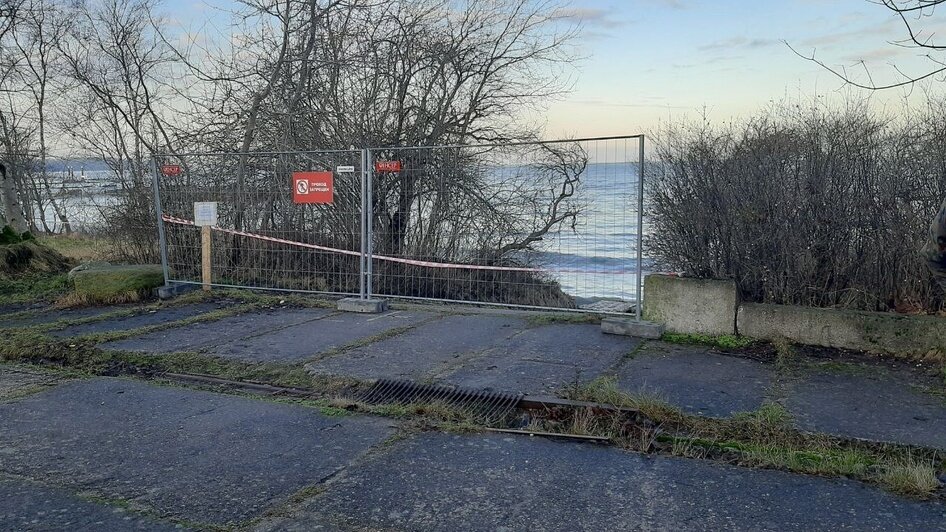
182	221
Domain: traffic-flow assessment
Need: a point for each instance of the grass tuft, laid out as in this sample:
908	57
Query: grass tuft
764	438
911	477
726	341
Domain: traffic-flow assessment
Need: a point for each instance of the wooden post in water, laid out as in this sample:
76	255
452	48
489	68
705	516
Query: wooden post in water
205	256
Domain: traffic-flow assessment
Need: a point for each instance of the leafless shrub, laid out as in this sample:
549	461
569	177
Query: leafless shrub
804	204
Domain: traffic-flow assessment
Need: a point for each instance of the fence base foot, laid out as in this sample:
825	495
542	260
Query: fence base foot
364	306
169	291
631	327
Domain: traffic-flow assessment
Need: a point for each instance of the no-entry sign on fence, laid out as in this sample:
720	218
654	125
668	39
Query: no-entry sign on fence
312	187
387	166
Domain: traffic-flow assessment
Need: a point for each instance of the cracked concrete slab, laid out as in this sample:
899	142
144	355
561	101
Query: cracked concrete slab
197	455
202	335
544	359
696	379
873	403
304	341
497	482
147	317
27	505
424	351
50	315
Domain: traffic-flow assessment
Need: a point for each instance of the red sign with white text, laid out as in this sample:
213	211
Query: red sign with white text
171	170
387	166
312	187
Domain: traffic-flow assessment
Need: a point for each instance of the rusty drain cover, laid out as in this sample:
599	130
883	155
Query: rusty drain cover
487	404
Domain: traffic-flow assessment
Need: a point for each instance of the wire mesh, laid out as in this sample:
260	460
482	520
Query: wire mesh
545	224
263	239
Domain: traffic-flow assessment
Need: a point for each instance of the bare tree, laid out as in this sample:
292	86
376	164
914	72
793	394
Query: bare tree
42	26
912	13
12	135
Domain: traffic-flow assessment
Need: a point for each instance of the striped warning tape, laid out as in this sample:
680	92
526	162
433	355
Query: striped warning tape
182	221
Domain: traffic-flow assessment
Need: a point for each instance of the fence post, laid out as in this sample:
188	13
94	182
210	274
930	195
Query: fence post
205	262
640	233
162	241
369	224
363	227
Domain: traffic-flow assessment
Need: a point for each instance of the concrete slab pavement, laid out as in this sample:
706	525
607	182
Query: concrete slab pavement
696	379
202	335
200	456
26	505
303	341
425	350
499	482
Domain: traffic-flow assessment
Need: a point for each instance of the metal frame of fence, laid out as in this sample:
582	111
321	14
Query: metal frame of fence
513	184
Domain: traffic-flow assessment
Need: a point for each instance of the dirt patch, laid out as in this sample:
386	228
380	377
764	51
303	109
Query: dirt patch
29	257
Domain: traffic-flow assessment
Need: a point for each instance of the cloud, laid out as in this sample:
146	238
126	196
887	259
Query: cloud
672	4
878	54
884	29
589	16
738	42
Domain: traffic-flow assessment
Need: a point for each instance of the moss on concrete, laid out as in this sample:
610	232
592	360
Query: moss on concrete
116	284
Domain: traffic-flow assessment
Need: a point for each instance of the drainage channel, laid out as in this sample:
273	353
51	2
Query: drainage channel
491	408
497	411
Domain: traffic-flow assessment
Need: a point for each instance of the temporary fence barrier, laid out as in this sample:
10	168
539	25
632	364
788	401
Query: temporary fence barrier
552	224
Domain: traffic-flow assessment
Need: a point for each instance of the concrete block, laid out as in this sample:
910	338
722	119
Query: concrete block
630	327
364	306
172	290
692	306
109	281
877	332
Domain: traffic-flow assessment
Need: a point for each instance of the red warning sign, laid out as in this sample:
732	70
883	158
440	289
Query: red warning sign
171	170
312	187
387	166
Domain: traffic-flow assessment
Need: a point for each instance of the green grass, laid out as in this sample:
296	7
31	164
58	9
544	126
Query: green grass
36	287
562	317
80	248
726	341
764	438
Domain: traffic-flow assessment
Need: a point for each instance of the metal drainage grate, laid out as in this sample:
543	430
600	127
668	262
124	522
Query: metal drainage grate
490	405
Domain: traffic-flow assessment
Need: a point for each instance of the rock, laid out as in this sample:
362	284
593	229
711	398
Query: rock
117	283
87	266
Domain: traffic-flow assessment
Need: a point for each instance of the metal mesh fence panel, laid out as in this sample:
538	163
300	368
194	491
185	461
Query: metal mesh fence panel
263	237
545	224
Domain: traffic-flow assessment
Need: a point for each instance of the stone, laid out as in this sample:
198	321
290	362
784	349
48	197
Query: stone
364	306
106	282
632	327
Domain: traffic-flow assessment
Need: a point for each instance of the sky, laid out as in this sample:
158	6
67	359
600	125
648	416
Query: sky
646	62
652	61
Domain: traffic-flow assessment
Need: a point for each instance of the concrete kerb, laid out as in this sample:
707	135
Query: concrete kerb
632	327
712	307
686	305
172	290
877	332
362	306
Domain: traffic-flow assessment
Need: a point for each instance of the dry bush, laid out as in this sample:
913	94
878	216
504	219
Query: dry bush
805	204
